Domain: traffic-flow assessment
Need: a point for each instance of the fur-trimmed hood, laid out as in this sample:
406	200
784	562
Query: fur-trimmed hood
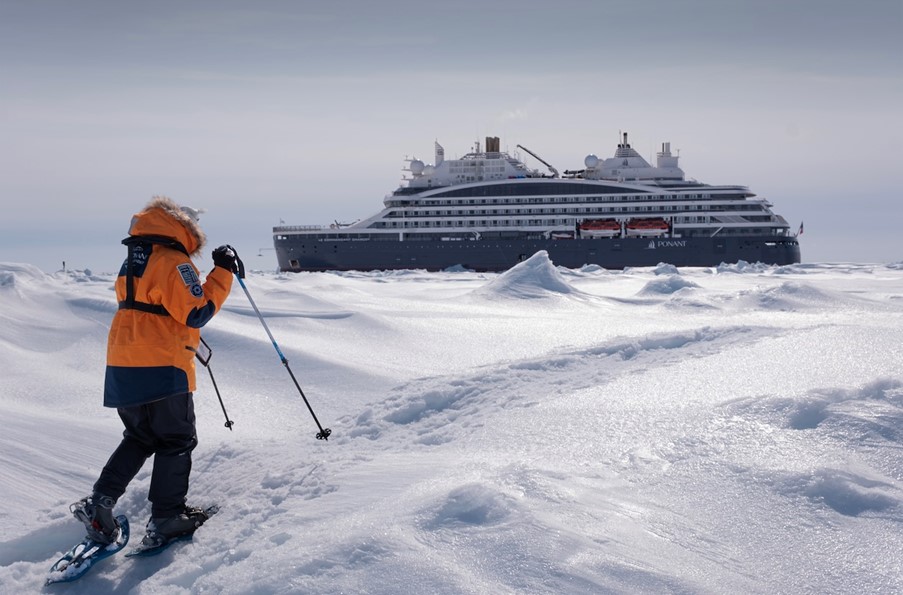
163	217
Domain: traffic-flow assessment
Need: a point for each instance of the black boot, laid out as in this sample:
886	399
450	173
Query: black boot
96	512
163	529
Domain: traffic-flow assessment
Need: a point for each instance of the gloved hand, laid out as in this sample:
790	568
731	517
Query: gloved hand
227	257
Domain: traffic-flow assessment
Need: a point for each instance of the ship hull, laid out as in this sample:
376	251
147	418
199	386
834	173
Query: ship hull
299	253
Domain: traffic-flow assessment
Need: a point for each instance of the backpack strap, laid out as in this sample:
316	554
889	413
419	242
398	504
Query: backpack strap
161	240
133	242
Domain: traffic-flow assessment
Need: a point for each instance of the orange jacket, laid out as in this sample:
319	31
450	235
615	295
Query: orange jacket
150	356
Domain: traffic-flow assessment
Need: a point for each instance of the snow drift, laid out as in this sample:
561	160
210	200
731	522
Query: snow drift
729	429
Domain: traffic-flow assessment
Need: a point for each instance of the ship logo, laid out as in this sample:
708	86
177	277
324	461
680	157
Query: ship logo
651	245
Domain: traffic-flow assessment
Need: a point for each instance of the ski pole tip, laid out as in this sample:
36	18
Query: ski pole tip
324	435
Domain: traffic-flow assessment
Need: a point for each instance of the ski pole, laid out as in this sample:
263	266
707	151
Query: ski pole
324	433
206	363
229	422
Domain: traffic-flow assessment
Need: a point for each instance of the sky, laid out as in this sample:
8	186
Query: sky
652	430
304	112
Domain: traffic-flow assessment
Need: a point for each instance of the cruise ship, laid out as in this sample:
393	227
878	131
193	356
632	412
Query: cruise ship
487	211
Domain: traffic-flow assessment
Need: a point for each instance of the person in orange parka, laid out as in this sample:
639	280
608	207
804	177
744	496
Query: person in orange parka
150	373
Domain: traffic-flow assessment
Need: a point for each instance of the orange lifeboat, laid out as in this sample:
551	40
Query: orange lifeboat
649	226
600	228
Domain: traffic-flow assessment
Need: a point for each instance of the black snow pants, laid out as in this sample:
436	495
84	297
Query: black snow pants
165	429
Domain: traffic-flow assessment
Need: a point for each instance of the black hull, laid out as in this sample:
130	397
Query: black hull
299	253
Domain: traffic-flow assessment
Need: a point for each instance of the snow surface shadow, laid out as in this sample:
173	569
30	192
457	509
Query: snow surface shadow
847	493
472	504
488	529
14	275
707	338
865	419
795	296
429	407
871	413
95	305
790	295
41	545
347	556
492	525
275	313
673	290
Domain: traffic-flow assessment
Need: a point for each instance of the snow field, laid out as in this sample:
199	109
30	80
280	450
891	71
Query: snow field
733	429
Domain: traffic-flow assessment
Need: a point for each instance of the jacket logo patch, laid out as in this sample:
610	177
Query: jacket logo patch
190	278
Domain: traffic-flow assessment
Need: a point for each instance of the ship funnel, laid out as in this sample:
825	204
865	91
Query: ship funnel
492	144
668	161
440	153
